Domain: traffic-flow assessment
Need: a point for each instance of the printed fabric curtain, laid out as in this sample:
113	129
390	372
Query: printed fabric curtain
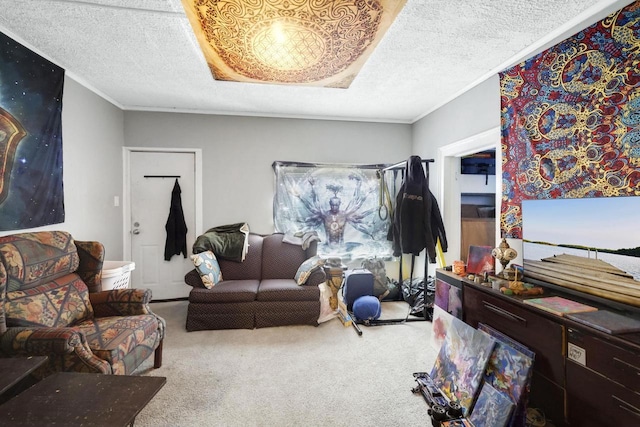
341	203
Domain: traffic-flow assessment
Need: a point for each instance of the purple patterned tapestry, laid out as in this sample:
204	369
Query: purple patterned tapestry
571	119
31	192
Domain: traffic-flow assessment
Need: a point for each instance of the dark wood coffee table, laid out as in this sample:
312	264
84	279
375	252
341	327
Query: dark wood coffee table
15	369
73	399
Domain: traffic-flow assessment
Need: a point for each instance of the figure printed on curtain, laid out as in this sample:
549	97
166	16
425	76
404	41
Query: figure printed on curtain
339	203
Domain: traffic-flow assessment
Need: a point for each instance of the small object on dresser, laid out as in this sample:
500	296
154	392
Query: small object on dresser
559	305
459	268
504	254
517	287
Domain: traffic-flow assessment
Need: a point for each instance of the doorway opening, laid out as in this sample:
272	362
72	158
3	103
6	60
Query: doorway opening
452	186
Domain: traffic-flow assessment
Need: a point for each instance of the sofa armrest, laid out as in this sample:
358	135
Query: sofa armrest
316	277
66	348
91	255
192	278
121	302
40	341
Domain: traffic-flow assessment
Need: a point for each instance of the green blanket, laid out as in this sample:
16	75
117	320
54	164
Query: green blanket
226	241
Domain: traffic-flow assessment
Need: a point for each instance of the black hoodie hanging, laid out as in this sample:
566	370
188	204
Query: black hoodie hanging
176	226
417	221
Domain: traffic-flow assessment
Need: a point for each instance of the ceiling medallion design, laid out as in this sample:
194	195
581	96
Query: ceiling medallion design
308	42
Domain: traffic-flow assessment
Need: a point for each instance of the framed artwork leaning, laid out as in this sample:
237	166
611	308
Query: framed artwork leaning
480	260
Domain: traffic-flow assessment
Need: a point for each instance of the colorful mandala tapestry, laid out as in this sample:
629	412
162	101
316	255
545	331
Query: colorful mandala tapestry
571	119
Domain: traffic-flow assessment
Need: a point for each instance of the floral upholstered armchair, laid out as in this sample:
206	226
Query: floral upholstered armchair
52	305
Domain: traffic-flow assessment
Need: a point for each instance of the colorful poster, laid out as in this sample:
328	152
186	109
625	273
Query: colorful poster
31	191
461	363
492	409
508	371
341	203
440	325
571	119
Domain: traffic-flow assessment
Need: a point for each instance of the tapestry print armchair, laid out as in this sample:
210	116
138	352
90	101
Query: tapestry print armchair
52	305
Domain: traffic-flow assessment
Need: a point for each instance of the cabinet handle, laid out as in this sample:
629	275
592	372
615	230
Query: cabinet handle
626	367
626	406
504	313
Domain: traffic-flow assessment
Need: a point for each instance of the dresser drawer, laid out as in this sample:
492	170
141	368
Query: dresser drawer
542	335
594	401
616	363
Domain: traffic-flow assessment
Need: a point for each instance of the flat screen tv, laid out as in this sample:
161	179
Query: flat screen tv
604	229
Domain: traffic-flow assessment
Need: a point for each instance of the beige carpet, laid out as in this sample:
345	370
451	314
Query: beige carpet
290	376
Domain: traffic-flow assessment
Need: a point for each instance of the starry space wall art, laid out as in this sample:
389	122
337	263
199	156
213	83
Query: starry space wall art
31	186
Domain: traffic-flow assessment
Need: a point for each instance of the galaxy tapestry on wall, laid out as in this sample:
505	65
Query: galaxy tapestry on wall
338	202
571	119
31	192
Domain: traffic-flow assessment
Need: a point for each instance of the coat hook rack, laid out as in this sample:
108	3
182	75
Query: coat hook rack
162	176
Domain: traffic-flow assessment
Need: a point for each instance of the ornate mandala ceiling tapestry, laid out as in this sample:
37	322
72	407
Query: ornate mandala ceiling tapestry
571	119
302	42
31	192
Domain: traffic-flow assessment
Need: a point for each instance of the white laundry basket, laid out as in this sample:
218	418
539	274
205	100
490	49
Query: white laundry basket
116	274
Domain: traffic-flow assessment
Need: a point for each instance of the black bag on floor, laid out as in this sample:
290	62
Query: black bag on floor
357	283
420	296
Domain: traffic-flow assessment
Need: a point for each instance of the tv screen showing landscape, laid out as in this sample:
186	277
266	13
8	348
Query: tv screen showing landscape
605	228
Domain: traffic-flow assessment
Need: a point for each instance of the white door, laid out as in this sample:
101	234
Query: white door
152	176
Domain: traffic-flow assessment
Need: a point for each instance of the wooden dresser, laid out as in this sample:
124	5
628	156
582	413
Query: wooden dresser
597	383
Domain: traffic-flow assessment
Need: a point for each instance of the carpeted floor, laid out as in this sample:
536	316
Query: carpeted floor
290	376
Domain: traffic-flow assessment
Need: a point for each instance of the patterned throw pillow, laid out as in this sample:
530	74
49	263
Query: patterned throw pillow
207	266
306	268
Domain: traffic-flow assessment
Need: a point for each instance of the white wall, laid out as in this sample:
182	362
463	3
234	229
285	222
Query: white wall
92	140
474	112
238	152
477	183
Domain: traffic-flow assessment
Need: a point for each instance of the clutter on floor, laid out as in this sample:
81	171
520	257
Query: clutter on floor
480	378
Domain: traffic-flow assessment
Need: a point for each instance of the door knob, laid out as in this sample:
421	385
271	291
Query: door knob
135	231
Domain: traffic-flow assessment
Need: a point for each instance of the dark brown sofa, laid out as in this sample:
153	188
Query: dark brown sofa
258	292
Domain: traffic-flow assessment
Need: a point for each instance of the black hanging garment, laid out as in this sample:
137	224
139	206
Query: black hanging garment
417	222
176	227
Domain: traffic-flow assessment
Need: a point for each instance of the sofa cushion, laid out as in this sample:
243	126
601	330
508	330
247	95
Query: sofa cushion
280	260
114	338
36	258
307	268
227	291
207	266
286	290
250	268
59	303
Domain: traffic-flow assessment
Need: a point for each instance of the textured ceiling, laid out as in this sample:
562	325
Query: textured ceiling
142	55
